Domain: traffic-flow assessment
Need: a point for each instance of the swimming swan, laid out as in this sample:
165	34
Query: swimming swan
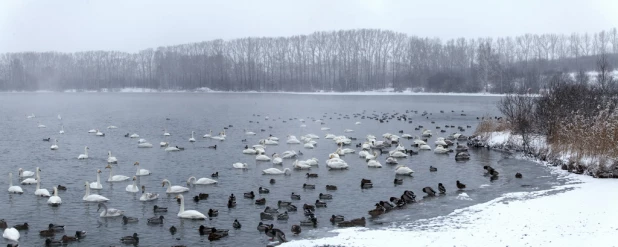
175	188
132	187
141	172
94	197
55	199
55	146
111	159
192	139
97	185
403	170
275	171
203	181
14	188
11	234
84	155
148	196
189	214
109	212
39	191
115	178
239	165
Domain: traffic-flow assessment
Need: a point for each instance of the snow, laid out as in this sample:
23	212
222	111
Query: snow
580	213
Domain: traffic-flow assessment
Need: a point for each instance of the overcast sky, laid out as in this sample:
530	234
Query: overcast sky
131	25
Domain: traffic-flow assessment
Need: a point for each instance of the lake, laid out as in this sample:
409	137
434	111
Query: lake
146	114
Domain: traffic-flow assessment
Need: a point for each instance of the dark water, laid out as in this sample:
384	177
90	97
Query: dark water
21	145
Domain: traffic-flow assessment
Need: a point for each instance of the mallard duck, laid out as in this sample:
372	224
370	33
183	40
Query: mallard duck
386	205
320	204
441	188
236	224
366	185
60	187
429	191
263	190
336	218
490	171
272	181
325	196
67	239
216	174
130	239
312	175
250	195
308	207
47	233
283	216
3	224
296	229
173	230
261	201
409	196
460	185
127	220
51	242
359	221
262	227
271	210
202	196
157	209
433	169
21	227
266	216
231	203
291	208
518	175
213	212
56	228
398	181
331	187
156	220
379	210
295	196
308	186
80	234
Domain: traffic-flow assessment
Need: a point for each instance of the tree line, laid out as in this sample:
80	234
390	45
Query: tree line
347	60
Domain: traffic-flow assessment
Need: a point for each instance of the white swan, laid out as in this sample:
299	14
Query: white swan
39	191
55	145
275	171
97	185
111	159
426	133
192	139
165	133
391	160
262	157
171	148
84	155
403	170
144	145
329	136
175	188
440	150
374	163
11	234
109	212
363	154
55	199
202	181
94	197
112	127
24	174
273	138
251	133
41	125
148	196
188	214
336	164
92	131
99	133
309	145
268	142
164	144
219	137
239	165
301	165
61	129
115	178
357	123
134	135
208	135
14	188
312	162
30	116
277	160
141	172
59	117
424	147
397	154
325	128
249	151
292	140
289	154
132	187
348	130
371	156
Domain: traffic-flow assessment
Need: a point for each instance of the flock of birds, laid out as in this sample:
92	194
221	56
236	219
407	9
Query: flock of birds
369	149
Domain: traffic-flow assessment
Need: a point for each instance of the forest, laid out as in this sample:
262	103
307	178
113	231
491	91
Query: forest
340	61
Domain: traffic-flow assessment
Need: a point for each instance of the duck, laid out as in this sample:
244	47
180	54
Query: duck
429	191
21	227
366	184
213	147
270	210
266	216
213	212
337	218
320	204
460	185
147	196
174	189
433	169
55	145
111	212
80	234
97	185
231	203
158	209
84	155
61	187
398	181
115	178
94	197
325	196
283	216
292	208
51	242
201	181
261	201
66	239
379	210
134	239
127	220
249	195
3	224
236	224
132	188
202	196
240	165
272	181
331	187
312	175
310	221
308	186
278	234
141	172
275	171
262	227
47	233
518	175
57	228
189	214
296	229
490	171
15	189
111	159
441	188
214	175
156	220
403	170
54	200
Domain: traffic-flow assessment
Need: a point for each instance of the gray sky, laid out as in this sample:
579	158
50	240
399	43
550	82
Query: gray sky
78	25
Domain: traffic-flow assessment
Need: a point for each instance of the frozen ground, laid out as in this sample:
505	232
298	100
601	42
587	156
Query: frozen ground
580	213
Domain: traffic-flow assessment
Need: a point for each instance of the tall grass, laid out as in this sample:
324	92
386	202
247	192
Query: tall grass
489	124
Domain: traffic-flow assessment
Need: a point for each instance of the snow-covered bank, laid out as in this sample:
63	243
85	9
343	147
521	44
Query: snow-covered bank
580	213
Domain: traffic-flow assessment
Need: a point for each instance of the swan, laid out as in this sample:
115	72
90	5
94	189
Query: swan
30	180
391	160
292	140
11	234
171	148
164	144
97	185
371	156
400	148
303	125
268	142
312	162
426	133
403	170
148	196
144	145
208	135
249	132
440	150
189	214
262	157
111	159
407	136
165	133
325	128
14	188
240	165
419	142
203	181
84	155
55	199
192	139
219	137
275	171
289	154
333	155
115	178
99	133
141	172
329	136
348	130
272	138
348	151
357	123
31	116
277	160
397	154
112	127
424	147
24	174
55	146
39	191
94	197
374	163
61	129
309	145
249	151
41	125
363	154
109	212
59	117
132	187
92	131
134	135
301	165
175	188
337	164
